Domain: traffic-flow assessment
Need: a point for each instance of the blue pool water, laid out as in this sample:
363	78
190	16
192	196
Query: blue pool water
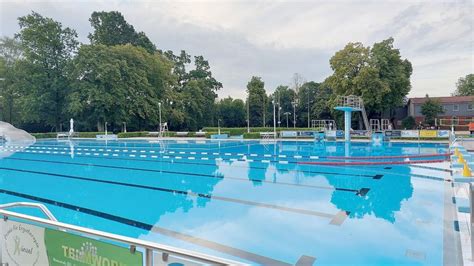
248	201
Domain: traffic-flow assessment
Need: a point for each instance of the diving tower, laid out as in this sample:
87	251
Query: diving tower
349	104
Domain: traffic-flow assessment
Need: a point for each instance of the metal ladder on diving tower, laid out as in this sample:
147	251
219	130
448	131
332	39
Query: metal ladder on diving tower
364	116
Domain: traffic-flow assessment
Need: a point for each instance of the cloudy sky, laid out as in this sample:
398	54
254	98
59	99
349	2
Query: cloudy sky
274	39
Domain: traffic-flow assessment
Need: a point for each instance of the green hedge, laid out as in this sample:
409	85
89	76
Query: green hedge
88	134
208	134
44	135
235	131
252	135
133	134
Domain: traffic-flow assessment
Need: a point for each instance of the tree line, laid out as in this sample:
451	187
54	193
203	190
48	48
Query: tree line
121	77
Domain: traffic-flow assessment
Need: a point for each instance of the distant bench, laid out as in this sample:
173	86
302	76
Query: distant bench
62	135
200	134
107	137
267	134
182	134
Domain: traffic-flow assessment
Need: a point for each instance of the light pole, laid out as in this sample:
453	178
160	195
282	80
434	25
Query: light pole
159	111
248	114
264	111
308	108
279	111
287	114
3	79
218	126
124	127
105	128
279	108
274	120
294	114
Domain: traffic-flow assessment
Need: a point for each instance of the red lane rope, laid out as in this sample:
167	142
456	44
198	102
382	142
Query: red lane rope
371	163
389	157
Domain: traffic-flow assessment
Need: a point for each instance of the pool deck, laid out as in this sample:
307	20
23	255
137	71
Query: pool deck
280	139
461	199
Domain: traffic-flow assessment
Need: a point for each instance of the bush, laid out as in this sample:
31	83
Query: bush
408	122
170	134
252	135
235	131
133	134
44	135
231	131
87	134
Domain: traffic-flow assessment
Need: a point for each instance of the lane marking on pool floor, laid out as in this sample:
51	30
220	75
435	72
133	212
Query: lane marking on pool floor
305	261
359	192
264	155
221	159
335	218
215	153
225	154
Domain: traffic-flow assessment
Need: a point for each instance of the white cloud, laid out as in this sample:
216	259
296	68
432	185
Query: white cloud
275	39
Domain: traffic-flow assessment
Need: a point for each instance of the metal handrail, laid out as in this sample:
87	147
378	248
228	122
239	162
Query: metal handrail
350	101
39	206
471	216
133	242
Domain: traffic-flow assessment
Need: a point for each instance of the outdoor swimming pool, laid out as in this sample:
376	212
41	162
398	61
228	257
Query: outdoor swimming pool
249	201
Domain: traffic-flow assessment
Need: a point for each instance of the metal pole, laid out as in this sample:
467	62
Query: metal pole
264	111
149	257
279	110
218	127
471	199
248	114
274	120
294	115
308	109
105	128
159	110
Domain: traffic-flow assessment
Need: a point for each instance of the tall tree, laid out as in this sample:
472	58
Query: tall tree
111	28
297	81
313	103
347	65
231	112
200	80
180	62
431	109
321	108
378	75
257	101
48	49
10	54
10	50
194	93
284	96
119	84
393	71
465	86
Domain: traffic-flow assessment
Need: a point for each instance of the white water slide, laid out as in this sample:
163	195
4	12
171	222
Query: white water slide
13	139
